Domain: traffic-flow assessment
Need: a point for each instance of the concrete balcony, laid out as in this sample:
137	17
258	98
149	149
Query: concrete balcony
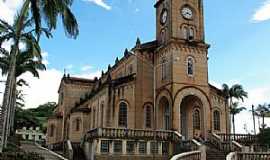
133	134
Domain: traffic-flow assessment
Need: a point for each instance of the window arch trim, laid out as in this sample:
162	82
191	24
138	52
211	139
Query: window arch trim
196	118
216	120
123	114
190	61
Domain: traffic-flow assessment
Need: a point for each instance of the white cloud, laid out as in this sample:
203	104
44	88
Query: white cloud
8	9
70	66
45	58
100	3
86	68
44	89
258	95
262	13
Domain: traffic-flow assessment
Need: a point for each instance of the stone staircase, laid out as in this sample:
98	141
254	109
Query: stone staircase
78	153
212	153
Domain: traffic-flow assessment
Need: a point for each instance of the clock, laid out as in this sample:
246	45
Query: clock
164	16
187	13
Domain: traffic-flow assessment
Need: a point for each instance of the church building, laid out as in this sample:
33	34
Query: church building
155	96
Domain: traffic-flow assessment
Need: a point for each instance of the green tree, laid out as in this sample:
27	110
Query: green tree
262	111
19	33
44	110
46	11
234	92
235	109
264	137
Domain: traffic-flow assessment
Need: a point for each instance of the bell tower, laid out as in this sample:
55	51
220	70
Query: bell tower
179	19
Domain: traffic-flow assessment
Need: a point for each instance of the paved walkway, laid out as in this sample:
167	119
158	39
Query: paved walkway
31	147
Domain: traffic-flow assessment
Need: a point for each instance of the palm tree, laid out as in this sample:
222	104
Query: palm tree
48	11
20	32
234	92
235	109
26	62
262	110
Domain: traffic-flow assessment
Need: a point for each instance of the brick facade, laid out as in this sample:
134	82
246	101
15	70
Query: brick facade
169	75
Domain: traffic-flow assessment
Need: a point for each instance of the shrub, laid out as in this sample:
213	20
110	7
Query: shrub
264	137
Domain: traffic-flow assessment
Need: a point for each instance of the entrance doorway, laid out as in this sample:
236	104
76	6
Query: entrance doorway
191	117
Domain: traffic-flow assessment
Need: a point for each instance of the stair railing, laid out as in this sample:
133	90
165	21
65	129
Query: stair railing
237	147
248	156
216	140
194	155
69	150
232	156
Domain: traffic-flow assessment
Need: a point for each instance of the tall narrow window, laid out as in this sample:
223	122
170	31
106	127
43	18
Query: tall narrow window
191	34
163	68
52	130
196	119
94	118
185	32
167	118
78	123
122	117
102	112
216	120
148	116
190	66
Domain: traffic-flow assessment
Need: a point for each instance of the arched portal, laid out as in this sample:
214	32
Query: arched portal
191	117
164	114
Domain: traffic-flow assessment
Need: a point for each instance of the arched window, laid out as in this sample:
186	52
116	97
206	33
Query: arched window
190	66
94	118
196	119
217	120
122	117
52	130
163	68
191	34
162	36
77	124
148	117
102	112
167	118
185	32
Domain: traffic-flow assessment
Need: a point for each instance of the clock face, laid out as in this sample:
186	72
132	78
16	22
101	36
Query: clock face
164	16
187	13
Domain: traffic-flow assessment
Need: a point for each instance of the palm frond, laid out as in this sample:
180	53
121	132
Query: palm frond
50	12
70	23
36	14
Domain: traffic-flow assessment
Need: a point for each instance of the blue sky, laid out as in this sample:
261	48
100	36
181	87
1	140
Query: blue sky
237	30
239	47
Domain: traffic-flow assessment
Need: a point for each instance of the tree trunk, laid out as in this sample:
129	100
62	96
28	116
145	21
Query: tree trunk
233	125
253	116
12	111
7	97
263	125
226	116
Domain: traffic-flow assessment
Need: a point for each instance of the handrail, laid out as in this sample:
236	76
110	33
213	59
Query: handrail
241	138
132	134
248	156
194	155
232	156
196	142
237	146
70	149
